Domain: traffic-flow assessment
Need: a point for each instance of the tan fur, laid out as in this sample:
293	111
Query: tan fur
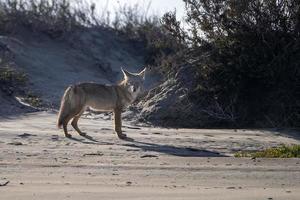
99	97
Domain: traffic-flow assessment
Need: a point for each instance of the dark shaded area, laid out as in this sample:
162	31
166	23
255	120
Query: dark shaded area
151	147
11	107
173	150
90	139
290	133
244	56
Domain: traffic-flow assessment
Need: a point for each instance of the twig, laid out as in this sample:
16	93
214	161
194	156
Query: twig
4	184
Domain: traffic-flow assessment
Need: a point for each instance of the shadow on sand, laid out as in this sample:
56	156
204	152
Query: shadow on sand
290	133
90	139
173	150
151	147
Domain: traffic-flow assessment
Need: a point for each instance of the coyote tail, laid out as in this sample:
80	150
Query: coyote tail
66	105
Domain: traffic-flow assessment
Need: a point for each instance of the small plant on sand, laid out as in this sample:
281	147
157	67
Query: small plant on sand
10	79
284	151
8	75
32	100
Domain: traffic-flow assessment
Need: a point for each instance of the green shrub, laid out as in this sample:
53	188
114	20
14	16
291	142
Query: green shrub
292	151
32	100
11	77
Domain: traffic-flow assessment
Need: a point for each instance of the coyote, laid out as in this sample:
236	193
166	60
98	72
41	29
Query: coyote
101	98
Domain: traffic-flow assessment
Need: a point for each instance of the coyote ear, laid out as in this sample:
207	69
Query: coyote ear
143	73
125	73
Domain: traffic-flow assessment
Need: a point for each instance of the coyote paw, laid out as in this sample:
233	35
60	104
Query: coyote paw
121	135
82	134
68	135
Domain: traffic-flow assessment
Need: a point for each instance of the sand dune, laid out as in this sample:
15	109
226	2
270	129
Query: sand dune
85	56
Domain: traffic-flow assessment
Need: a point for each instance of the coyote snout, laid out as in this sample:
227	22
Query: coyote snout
100	97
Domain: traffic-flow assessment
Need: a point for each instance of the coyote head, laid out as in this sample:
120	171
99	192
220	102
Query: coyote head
134	82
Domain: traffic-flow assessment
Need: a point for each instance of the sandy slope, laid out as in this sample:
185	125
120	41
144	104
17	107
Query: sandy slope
85	56
40	163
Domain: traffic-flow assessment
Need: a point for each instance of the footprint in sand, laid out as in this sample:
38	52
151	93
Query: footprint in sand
132	150
93	154
144	133
106	129
54	137
207	135
128	183
15	143
148	156
131	127
25	135
156	133
230	188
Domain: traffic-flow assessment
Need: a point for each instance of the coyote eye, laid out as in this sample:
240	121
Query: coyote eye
132	88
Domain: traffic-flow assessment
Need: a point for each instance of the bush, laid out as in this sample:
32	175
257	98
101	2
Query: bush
149	34
10	79
55	17
246	57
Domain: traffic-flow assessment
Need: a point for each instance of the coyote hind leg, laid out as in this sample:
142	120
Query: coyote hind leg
118	124
66	120
65	124
74	123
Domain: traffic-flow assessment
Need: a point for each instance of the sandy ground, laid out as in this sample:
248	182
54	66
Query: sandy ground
40	163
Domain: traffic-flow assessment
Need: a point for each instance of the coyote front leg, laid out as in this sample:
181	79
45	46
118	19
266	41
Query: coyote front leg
118	123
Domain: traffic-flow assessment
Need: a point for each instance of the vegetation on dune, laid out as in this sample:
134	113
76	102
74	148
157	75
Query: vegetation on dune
32	100
55	17
60	18
292	151
9	75
245	55
10	79
13	82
